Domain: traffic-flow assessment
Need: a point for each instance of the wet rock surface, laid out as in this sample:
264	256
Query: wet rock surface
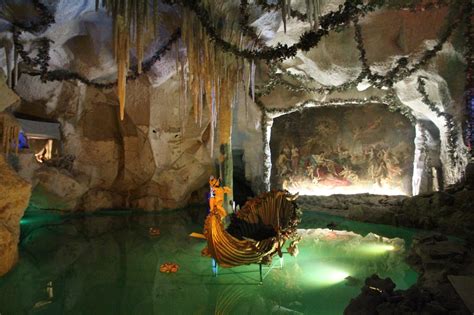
14	195
447	211
435	257
361	207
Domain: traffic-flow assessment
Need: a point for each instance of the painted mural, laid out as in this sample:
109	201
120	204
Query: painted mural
330	150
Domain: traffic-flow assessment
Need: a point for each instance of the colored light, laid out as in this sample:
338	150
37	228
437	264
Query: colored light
375	248
324	275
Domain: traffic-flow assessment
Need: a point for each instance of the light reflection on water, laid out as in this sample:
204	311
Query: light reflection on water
109	265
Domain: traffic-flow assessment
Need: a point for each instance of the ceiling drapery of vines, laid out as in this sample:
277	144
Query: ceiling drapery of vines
223	49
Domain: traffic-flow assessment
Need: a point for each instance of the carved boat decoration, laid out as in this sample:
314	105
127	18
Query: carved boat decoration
256	233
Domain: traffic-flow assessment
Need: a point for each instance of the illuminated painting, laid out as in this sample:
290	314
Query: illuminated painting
343	150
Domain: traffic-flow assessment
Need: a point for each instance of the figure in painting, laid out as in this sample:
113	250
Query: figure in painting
349	174
287	152
310	172
282	164
393	164
377	165
295	159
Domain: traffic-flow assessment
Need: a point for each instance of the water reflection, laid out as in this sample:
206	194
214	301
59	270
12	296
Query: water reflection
110	265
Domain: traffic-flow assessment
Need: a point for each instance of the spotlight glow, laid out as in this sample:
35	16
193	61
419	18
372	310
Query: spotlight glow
376	248
324	275
23	221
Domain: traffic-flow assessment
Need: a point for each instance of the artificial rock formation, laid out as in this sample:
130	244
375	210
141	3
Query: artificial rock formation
434	257
160	145
448	212
14	196
8	96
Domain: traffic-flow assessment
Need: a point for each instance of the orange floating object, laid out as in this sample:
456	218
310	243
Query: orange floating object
169	267
153	231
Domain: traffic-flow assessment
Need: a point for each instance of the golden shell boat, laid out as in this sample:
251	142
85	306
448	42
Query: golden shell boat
256	233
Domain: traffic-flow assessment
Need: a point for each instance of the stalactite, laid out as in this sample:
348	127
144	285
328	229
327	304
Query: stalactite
245	87
313	12
184	88
213	117
252	82
131	20
309	14
180	90
213	78
201	100
15	68
139	34
317	13
283	14
122	63
288	8
9	66
155	18
17	139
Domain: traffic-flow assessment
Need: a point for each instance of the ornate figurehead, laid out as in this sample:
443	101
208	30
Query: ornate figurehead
216	196
214	182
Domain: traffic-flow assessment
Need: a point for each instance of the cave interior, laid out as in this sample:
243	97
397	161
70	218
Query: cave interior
135	132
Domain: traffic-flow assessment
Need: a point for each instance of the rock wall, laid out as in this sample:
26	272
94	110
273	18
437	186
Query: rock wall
155	158
14	196
434	257
158	156
448	212
151	160
387	35
8	96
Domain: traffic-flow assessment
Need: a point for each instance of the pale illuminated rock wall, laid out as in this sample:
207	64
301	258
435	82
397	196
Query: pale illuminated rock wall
158	155
14	195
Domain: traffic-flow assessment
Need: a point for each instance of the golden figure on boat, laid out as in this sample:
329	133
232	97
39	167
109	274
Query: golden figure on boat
216	198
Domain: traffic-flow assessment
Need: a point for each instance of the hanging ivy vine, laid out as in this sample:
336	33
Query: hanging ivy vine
469	85
400	71
66	75
450	123
308	40
45	18
349	12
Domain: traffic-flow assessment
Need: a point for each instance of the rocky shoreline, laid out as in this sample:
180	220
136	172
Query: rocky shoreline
434	257
448	212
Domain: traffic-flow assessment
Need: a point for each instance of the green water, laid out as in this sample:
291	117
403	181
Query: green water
107	264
